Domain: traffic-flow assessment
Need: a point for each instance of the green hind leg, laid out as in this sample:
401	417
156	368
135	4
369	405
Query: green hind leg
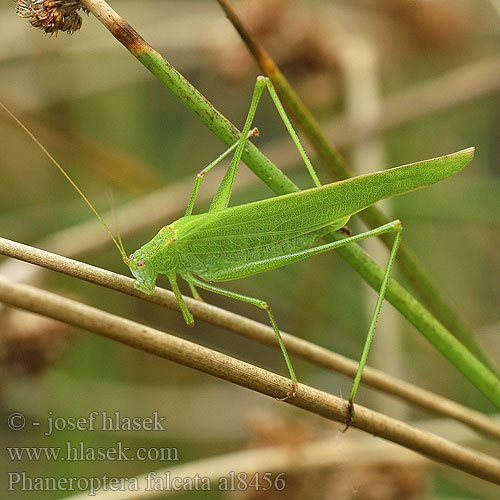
262	305
223	194
371	330
282	260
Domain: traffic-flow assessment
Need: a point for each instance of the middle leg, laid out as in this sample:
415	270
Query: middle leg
262	305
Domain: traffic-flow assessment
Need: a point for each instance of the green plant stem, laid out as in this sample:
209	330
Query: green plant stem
484	379
408	262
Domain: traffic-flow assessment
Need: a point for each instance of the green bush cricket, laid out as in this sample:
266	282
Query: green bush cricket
228	243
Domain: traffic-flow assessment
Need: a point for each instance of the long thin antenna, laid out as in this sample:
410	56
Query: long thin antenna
111	199
61	169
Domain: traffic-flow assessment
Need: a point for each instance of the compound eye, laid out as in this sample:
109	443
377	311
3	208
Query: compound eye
131	256
140	263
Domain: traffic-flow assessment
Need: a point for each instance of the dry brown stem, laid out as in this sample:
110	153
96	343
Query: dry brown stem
222	366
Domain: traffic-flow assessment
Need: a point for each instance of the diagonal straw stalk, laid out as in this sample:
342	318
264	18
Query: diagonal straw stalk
201	358
256	331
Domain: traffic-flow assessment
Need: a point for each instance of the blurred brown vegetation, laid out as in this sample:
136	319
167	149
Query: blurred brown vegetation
114	127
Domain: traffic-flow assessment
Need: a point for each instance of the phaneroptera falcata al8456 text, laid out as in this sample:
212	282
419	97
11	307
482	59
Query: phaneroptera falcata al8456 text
227	243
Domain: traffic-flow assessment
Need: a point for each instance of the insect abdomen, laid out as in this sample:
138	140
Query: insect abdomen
207	265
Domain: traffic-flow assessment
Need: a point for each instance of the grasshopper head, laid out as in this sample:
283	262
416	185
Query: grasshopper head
143	272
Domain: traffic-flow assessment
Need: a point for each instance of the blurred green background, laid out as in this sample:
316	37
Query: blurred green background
425	75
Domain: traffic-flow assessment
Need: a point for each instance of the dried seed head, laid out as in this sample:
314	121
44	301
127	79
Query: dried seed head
52	16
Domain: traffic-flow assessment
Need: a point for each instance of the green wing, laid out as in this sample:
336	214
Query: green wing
283	218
